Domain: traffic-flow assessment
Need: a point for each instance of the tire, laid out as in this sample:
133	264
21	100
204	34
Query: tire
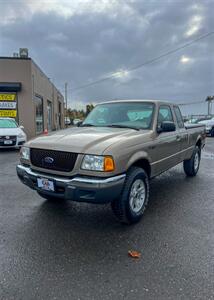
129	208
212	132
50	198
191	166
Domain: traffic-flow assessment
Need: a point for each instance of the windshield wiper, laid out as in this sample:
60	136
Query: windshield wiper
122	126
111	125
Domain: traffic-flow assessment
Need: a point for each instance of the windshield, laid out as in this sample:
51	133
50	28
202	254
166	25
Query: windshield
7	123
132	115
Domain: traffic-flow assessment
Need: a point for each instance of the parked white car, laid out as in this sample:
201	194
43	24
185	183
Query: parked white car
67	121
76	121
11	134
209	126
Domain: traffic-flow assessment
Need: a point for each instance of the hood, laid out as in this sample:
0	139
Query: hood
10	131
93	140
207	122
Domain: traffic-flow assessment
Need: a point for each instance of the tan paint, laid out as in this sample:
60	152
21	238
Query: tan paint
126	146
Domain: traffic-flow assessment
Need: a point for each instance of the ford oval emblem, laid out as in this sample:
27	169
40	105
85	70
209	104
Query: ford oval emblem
48	160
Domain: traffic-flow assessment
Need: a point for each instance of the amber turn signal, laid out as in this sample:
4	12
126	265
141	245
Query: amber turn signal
108	164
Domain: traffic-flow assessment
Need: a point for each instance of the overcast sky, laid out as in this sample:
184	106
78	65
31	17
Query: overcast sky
81	41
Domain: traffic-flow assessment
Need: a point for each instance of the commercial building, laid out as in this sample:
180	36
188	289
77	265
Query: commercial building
29	96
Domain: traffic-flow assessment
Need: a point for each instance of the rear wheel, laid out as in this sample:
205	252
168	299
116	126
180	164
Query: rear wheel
129	208
191	166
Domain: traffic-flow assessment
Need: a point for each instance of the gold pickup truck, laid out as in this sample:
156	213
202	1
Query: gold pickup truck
113	155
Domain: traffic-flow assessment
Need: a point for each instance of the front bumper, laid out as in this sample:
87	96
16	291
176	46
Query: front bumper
208	131
15	143
81	189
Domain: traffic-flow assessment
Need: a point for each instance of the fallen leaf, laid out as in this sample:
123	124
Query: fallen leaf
134	254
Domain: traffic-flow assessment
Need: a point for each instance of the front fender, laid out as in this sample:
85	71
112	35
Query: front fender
140	155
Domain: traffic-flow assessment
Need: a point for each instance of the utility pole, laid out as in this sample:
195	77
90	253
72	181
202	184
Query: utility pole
209	100
66	102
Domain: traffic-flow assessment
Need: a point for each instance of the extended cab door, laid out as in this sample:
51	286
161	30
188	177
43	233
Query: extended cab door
167	146
183	133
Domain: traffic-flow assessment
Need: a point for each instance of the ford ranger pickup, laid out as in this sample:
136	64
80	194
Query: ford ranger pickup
112	155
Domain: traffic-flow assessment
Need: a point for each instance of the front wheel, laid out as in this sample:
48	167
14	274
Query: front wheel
191	166
129	208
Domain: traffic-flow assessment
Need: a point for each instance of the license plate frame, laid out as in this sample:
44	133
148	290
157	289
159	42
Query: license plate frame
46	184
8	142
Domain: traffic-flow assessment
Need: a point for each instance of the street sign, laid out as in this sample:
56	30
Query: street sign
7	105
8	113
7	97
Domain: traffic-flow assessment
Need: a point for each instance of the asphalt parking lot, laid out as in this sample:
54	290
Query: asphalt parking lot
79	251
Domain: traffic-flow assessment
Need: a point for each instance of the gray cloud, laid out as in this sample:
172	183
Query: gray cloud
91	44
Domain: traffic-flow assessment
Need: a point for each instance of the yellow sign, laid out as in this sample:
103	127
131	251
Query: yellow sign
7	97
8	113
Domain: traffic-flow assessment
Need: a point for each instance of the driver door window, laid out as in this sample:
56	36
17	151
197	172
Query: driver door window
165	114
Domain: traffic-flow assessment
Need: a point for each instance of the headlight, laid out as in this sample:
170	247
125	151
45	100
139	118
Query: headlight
21	135
98	163
25	153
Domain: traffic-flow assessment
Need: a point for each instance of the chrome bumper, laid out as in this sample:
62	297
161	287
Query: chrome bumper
85	189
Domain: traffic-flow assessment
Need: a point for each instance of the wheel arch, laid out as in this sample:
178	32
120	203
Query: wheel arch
141	161
199	142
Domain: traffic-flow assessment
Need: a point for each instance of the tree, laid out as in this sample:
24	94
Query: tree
89	108
79	114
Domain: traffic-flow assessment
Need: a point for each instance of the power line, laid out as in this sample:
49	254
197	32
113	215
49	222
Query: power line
146	62
189	103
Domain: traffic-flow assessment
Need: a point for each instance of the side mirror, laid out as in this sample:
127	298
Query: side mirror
21	127
79	123
166	126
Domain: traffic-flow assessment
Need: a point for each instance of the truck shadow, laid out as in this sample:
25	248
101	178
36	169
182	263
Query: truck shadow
73	229
9	150
165	193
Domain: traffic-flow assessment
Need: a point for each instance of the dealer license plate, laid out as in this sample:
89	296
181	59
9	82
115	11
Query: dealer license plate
45	184
8	142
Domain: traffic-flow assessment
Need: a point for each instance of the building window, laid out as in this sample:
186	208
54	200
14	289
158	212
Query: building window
60	114
39	114
49	115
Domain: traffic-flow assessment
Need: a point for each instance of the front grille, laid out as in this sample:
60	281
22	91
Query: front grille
5	138
53	160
